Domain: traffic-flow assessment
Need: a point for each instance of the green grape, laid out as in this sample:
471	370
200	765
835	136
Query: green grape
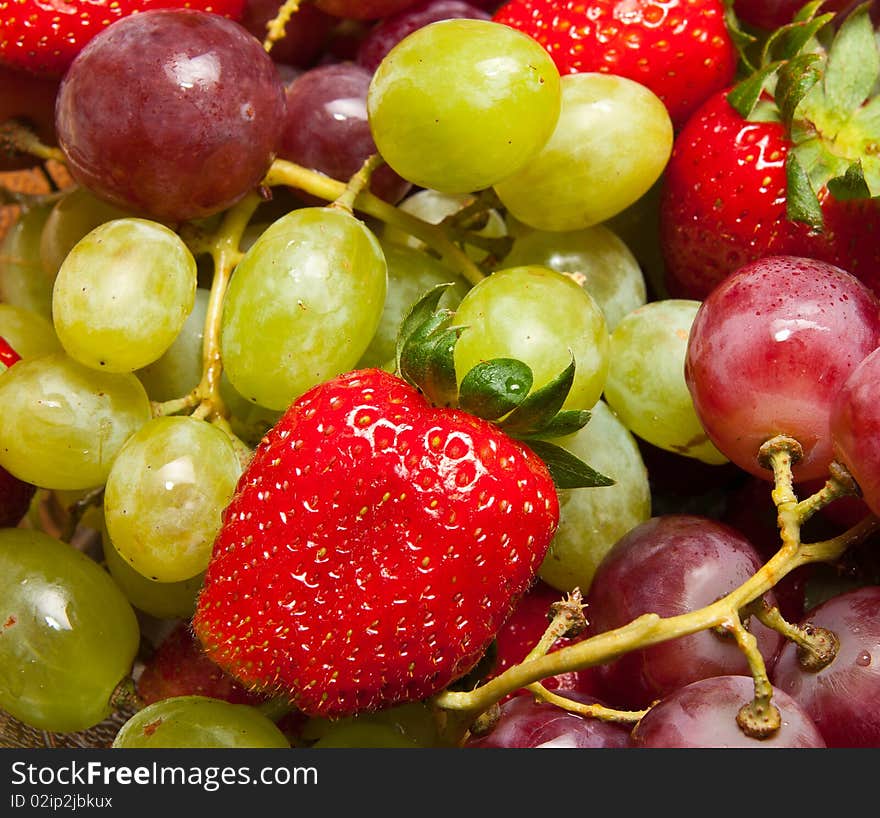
198	722
433	207
77	213
406	725
595	257
541	317
163	600
364	735
477	111
165	496
646	385
28	332
592	520
123	294
611	143
179	370
62	423
68	636
302	305
22	280
411	273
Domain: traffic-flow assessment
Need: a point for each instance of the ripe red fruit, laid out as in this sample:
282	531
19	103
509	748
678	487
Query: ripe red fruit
680	49
43	38
724	200
373	548
179	667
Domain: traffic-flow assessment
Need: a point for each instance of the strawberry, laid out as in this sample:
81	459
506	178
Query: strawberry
793	172
680	49
43	36
377	541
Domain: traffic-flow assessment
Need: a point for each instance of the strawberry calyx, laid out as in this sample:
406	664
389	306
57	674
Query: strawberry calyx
820	82
498	390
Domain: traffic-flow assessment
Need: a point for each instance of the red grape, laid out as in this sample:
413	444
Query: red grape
841	698
15	499
703	714
768	351
528	723
305	34
362	9
390	31
326	127
672	565
172	113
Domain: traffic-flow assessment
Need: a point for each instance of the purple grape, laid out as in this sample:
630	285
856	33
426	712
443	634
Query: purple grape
175	114
15	499
390	31
703	714
326	128
842	697
528	723
671	565
305	34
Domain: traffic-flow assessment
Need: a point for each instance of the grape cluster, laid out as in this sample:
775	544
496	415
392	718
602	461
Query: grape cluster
245	216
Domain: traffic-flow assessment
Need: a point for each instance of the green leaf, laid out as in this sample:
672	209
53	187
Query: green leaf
566	422
567	470
430	366
493	388
794	80
745	94
791	40
851	185
802	204
540	406
853	64
422	311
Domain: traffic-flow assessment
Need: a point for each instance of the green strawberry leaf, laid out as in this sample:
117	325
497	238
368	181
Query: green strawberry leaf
493	388
424	310
802	204
794	79
745	94
537	410
851	185
791	40
566	422
567	470
853	65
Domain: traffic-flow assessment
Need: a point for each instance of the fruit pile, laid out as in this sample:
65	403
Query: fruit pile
414	373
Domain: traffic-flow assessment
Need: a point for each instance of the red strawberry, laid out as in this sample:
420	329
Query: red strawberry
15	494
680	49
373	548
795	176
43	36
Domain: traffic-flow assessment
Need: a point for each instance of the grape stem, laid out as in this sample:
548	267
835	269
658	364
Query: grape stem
317	184
275	27
723	614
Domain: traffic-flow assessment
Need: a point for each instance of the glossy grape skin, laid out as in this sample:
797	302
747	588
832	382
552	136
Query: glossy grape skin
404	725
855	426
671	565
173	113
62	423
302	305
162	600
540	317
411	273
591	521
768	351
595	257
841	697
646	385
68	637
29	333
582	175
364	734
703	714
525	723
199	722
165	495
22	281
388	32
305	35
73	216
123	294
477	111
326	127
